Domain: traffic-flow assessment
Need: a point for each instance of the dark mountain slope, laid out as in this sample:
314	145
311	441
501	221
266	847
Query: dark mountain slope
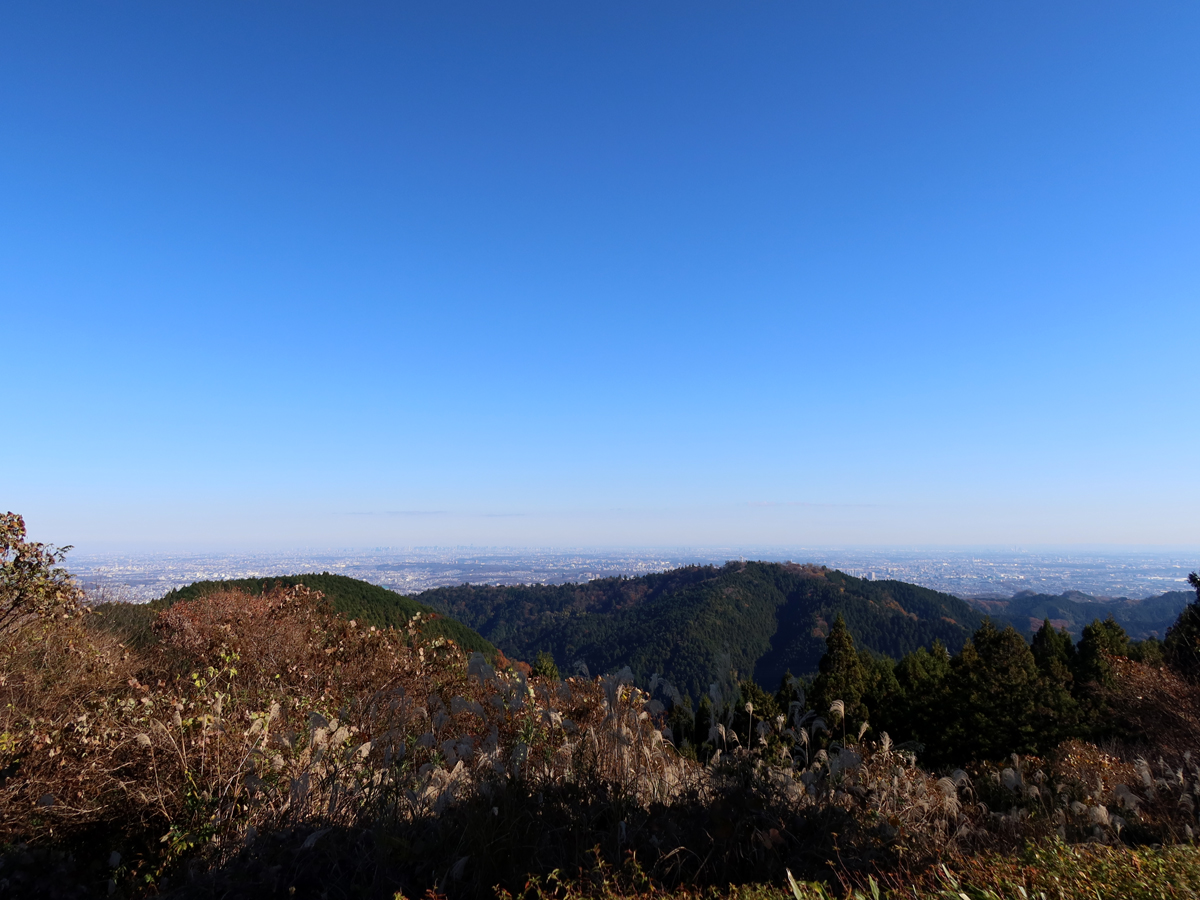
506	612
1074	610
693	625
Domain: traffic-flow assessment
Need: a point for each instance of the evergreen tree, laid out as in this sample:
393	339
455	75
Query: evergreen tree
1052	649
920	709
1182	645
1059	712
841	676
993	694
921	671
545	667
1094	675
882	694
1099	641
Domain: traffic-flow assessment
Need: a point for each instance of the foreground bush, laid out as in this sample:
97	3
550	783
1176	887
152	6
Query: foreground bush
270	716
263	746
32	583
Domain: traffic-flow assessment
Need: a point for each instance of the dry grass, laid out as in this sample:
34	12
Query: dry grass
262	746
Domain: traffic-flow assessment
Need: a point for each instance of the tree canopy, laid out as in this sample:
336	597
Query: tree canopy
32	581
1181	647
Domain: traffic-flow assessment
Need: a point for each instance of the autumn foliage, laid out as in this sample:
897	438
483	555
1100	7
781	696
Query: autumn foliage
265	746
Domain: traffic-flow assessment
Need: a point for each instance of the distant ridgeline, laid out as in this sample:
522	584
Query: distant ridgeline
693	625
1073	611
352	598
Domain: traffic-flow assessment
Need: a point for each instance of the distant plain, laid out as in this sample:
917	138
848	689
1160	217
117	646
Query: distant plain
989	574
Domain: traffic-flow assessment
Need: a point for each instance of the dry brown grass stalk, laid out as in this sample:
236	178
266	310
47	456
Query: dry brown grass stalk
263	743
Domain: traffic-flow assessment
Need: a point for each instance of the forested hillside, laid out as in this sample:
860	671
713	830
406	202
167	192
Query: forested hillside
696	624
1074	610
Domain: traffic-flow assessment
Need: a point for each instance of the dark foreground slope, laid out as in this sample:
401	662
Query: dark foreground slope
693	625
1073	611
354	599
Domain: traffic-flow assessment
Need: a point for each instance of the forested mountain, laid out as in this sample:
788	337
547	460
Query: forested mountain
695	624
1074	610
351	597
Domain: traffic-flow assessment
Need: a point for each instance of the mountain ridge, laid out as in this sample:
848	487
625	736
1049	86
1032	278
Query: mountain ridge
695	624
1072	610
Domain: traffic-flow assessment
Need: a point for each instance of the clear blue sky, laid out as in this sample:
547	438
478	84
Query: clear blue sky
538	273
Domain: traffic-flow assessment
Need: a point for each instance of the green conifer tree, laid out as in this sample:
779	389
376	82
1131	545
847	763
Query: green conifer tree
1052	648
764	707
841	676
1094	676
1099	641
1053	651
545	667
993	694
882	694
1181	648
920	710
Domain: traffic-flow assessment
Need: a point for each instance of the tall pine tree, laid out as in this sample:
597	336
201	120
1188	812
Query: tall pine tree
1052	648
920	712
841	676
1099	642
993	693
882	694
1053	651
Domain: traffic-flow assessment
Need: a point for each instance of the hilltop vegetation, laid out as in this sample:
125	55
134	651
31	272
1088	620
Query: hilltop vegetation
694	625
1000	695
926	668
920	665
352	598
1072	610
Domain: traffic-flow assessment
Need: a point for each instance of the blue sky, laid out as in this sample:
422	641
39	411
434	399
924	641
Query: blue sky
316	274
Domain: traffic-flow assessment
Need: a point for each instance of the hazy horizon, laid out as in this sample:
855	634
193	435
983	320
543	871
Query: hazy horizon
743	550
976	572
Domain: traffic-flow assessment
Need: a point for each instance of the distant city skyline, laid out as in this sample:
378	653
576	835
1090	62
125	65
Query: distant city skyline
620	274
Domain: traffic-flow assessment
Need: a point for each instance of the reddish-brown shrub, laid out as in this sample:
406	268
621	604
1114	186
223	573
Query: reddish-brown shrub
1155	707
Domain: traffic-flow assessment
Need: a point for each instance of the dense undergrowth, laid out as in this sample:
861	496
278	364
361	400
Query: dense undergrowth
262	745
